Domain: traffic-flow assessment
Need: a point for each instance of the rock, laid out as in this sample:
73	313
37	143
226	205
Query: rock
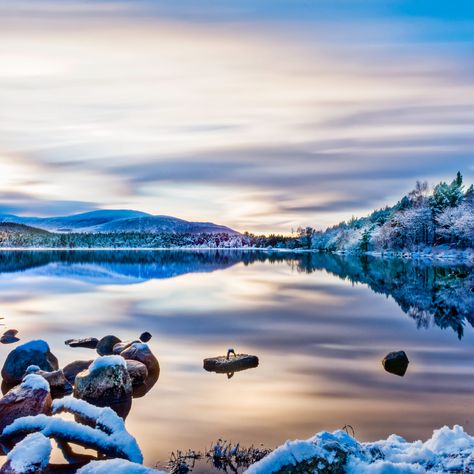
86	342
8	339
121	346
106	379
11	333
145	336
56	380
142	353
222	364
106	345
29	456
137	371
32	397
71	370
32	353
396	363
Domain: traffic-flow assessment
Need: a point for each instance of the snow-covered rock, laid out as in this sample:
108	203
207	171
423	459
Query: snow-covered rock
32	397
142	353
32	353
116	466
31	455
448	450
106	379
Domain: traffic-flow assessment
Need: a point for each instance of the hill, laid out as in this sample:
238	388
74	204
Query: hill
116	221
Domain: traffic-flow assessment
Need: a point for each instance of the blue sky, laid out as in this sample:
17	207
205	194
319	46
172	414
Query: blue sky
261	115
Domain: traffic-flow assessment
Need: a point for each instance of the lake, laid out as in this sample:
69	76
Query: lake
319	324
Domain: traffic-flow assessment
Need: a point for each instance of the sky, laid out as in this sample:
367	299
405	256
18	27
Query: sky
263	115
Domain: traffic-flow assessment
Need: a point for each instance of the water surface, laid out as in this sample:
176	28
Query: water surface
319	324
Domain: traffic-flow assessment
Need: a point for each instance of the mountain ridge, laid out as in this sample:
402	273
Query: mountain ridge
116	220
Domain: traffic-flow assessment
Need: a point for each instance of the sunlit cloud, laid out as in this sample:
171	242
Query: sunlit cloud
261	117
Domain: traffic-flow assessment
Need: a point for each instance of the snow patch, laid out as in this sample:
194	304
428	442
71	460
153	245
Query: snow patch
35	382
33	451
107	361
117	466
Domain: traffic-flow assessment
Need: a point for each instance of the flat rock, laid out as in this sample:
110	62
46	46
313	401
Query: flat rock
396	363
32	353
86	342
106	345
137	371
8	339
32	397
235	363
11	332
71	370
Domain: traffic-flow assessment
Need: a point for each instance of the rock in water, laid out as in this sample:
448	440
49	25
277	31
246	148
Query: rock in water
106	345
142	353
396	363
72	369
31	353
121	346
223	365
9	337
57	381
137	371
86	342
106	380
32	397
145	336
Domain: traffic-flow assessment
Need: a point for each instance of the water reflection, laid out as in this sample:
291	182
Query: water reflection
320	325
430	293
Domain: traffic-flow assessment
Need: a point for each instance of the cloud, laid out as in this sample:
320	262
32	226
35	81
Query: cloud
222	114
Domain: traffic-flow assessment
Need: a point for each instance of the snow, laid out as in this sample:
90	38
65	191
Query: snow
34	450
116	466
448	450
108	435
107	361
36	345
35	382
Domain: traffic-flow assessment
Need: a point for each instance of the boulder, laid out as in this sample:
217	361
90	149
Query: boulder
86	342
396	363
31	353
56	379
121	346
11	332
106	380
237	363
32	397
137	371
145	336
106	345
142	353
71	370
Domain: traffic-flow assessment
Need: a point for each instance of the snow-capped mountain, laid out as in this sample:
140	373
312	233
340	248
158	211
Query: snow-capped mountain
116	221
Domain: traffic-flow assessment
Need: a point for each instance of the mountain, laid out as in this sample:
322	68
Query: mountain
120	220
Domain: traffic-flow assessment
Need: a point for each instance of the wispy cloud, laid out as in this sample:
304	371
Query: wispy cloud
259	115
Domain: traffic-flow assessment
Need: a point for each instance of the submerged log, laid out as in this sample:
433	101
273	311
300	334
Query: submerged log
224	365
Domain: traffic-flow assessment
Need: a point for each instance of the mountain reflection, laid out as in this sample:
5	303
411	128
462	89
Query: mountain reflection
430	293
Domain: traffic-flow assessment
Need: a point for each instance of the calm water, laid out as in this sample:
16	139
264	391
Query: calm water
319	324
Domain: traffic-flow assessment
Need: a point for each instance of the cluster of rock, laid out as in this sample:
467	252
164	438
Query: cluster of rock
32	378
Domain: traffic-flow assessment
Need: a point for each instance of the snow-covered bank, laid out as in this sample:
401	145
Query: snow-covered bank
448	450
